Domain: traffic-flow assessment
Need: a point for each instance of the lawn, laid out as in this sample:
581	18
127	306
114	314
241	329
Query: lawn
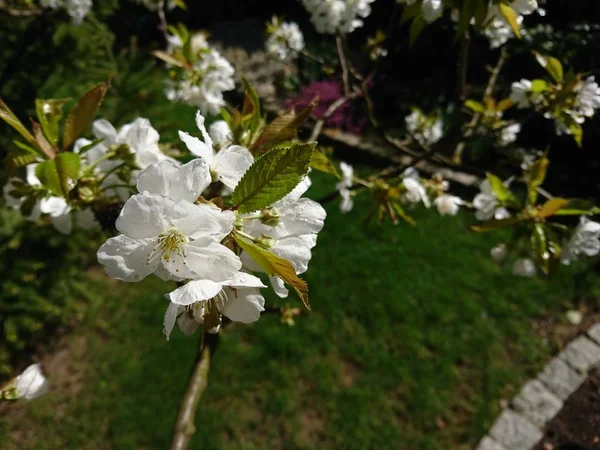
414	338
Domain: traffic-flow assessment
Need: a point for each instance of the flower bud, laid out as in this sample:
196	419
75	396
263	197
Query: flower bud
32	383
499	252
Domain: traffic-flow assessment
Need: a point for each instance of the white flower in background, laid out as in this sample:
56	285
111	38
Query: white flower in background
508	134
204	84
432	10
62	217
524	267
499	252
220	133
448	205
588	97
520	92
426	130
415	191
164	233
289	229
228	165
32	383
237	298
585	240
487	205
498	31
77	9
337	16
285	39
344	186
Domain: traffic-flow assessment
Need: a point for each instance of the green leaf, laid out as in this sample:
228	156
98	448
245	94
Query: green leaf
535	178
283	128
8	116
272	176
552	206
475	106
322	163
552	66
251	108
27	148
60	174
416	27
398	209
538	86
410	11
501	191
83	113
15	160
539	246
41	140
577	207
50	113
164	56
180	4
504	104
510	16
275	266
496	224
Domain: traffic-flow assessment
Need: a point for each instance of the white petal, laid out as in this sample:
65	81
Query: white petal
231	164
177	182
32	179
220	132
194	291
86	219
197	147
302	217
173	310
54	206
296	249
279	287
32	383
62	224
243	279
207	259
197	221
103	129
146	216
80	143
187	325
126	259
244	305
249	264
200	124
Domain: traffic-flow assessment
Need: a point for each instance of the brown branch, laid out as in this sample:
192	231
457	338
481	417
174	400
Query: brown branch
163	19
462	68
328	113
343	63
15	12
184	426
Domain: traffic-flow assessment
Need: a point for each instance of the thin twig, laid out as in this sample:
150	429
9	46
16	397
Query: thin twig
343	63
184	427
462	68
163	19
328	113
15	12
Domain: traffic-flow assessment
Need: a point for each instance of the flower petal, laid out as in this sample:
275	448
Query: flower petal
177	182
243	279
173	310
279	287
126	259
194	291
197	147
103	129
209	260
231	164
197	221
146	216
244	305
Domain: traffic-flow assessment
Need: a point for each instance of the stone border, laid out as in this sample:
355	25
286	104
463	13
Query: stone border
521	425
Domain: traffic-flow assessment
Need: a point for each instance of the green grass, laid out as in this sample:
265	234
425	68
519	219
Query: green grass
414	337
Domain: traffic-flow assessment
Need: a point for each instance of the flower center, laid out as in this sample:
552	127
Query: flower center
171	243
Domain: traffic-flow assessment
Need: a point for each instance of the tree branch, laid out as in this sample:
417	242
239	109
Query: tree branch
163	19
328	113
184	426
343	63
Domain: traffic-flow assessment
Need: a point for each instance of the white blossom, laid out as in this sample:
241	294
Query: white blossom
32	383
487	205
237	298
448	204
524	267
344	186
588	97
228	165
347	202
415	191
426	130
337	16
432	10
498	31
520	92
220	133
204	84
585	240
508	134
499	252
285	39
164	233
77	9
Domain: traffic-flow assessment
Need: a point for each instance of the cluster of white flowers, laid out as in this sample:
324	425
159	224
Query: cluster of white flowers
522	95
427	130
169	230
344	186
337	16
585	240
508	134
415	191
285	39
205	82
487	204
524	267
498	31
587	100
448	205
77	9
141	141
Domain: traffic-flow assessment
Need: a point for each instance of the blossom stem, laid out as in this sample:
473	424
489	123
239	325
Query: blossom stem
92	166
114	169
343	63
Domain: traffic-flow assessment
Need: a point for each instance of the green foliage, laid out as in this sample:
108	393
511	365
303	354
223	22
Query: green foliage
60	174
272	176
